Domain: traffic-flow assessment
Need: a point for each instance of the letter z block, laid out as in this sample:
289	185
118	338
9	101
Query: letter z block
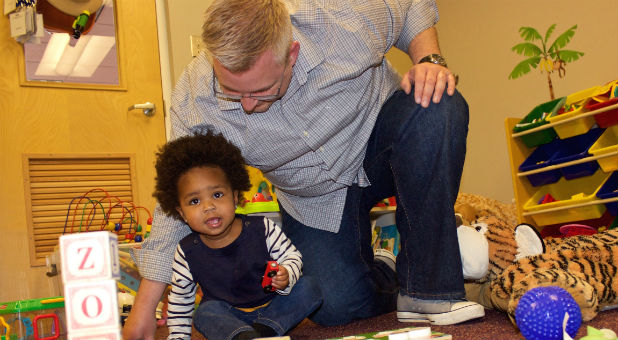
89	256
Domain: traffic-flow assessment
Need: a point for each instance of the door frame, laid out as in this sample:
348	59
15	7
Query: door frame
164	60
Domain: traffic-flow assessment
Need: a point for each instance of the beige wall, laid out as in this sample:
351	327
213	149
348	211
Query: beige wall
476	36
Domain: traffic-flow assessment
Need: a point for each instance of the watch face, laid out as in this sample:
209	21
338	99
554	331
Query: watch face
439	60
435	59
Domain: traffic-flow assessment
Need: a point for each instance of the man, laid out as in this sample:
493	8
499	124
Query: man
303	89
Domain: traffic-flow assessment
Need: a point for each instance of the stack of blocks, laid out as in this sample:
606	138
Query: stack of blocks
90	269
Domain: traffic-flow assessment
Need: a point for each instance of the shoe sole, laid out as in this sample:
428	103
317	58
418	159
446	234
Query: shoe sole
449	318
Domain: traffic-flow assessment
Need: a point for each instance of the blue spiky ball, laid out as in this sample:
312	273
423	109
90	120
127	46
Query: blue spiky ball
540	313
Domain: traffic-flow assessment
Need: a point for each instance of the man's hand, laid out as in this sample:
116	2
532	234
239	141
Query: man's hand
141	323
429	81
282	279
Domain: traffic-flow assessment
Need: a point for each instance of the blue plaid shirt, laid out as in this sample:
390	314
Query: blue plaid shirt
311	143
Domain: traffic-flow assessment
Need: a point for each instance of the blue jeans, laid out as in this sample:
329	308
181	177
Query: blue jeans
218	320
416	155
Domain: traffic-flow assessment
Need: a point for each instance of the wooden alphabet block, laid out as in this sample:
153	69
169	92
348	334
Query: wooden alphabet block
89	256
91	306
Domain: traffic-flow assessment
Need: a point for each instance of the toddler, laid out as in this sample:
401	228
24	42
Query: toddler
200	180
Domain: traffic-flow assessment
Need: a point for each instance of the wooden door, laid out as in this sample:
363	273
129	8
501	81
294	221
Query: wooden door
53	120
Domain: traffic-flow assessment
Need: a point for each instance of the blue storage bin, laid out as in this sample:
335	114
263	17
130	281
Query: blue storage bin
575	148
609	189
540	158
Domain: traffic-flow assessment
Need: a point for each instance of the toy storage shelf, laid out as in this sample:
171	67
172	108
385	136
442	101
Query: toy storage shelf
519	152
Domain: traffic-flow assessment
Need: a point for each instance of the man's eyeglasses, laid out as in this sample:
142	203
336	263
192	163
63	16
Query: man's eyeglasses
237	97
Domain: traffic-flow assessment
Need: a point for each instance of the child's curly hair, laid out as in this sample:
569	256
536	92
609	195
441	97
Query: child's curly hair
179	156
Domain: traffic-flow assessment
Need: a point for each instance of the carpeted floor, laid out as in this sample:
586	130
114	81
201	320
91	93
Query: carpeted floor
495	325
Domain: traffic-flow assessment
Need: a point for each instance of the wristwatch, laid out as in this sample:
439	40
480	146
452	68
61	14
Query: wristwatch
434	59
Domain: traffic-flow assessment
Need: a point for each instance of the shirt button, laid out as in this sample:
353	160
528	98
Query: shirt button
321	149
306	133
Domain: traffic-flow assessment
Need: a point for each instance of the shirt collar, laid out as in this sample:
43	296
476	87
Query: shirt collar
309	56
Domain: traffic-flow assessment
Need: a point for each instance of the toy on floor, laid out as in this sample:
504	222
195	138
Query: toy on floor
125	303
473	206
33	319
97	210
547	313
408	333
518	260
385	234
599	334
7	329
129	273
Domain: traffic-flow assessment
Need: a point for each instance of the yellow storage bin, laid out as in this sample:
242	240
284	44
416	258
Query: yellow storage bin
607	143
574	127
580	97
604	92
567	192
574	105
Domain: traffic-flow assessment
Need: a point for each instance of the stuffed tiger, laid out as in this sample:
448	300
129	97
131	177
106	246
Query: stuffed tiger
480	206
519	260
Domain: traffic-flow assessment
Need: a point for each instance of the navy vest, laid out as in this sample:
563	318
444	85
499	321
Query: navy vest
233	273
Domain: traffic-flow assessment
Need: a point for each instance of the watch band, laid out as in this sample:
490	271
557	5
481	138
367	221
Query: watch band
434	59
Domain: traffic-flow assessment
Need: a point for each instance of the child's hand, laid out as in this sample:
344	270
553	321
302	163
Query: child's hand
282	279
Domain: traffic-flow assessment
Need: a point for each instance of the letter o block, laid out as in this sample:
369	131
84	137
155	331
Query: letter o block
91	305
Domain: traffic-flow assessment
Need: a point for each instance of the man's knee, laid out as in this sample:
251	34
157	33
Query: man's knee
451	110
343	305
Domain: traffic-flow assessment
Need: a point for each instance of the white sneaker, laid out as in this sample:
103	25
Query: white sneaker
437	312
385	256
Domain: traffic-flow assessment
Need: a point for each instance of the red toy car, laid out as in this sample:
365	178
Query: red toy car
272	267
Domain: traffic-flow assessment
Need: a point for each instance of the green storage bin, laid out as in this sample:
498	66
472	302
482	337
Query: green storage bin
538	117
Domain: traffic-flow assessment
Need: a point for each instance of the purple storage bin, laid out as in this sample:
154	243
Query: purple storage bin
609	189
538	159
575	148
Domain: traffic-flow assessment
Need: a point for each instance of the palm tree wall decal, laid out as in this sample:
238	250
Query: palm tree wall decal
548	58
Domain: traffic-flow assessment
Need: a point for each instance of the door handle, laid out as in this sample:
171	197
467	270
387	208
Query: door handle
148	108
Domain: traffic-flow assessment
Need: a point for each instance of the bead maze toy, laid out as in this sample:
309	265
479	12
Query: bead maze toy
97	210
35	319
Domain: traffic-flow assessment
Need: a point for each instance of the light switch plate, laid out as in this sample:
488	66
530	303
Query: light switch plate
196	44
